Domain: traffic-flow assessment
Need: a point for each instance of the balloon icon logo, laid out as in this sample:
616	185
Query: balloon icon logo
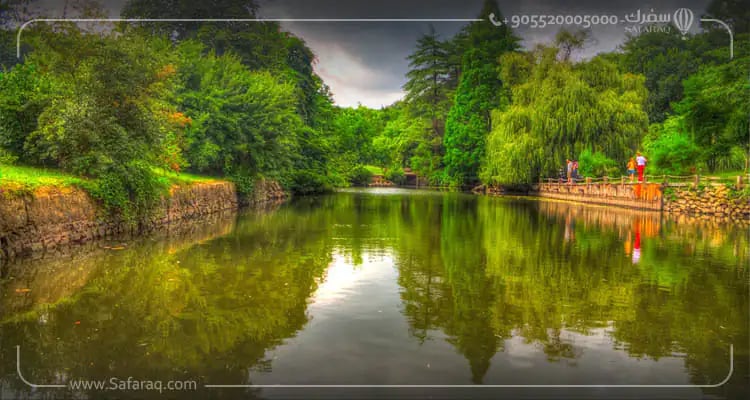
683	19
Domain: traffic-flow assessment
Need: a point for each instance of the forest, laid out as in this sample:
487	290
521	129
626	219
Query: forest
127	107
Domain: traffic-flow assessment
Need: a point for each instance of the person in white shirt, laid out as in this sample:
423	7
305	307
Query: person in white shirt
640	164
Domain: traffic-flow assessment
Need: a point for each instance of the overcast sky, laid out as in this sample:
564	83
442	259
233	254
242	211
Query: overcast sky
365	62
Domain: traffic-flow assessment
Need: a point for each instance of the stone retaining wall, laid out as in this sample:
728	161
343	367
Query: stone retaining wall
645	196
709	202
718	202
53	216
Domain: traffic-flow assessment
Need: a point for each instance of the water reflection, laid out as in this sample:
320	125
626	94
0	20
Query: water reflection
393	286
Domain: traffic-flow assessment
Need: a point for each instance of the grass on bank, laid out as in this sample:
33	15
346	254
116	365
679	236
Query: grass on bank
23	178
729	174
16	177
374	170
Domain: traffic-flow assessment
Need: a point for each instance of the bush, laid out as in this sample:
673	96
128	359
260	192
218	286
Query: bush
7	158
308	182
396	175
24	94
360	176
244	183
670	149
596	164
130	192
674	154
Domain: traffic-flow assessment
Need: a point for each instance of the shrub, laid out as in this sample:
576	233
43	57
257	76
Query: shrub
244	183
24	93
130	191
305	182
396	175
596	164
7	158
670	149
360	176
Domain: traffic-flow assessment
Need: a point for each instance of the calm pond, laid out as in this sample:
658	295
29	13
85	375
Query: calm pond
390	287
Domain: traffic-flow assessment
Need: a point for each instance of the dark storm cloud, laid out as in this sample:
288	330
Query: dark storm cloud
366	61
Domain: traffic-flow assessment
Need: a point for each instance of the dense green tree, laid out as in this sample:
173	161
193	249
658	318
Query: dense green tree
427	90
479	91
242	122
671	148
560	111
259	44
716	106
27	92
354	130
70	106
665	60
102	113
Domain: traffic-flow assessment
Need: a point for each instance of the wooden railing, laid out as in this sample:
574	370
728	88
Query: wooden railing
738	181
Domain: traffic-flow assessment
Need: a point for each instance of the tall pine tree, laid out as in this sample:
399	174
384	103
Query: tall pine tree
428	87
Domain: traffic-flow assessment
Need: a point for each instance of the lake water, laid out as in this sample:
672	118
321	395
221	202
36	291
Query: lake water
390	287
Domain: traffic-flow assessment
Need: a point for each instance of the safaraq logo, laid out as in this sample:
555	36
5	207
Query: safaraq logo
683	19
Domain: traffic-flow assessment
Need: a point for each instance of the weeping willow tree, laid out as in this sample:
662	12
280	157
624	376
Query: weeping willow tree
559	109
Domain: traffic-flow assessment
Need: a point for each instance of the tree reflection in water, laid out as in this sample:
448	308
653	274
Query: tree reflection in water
479	271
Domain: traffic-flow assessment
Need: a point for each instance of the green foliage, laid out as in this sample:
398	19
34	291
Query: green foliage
240	120
243	101
103	113
26	93
72	107
7	158
375	170
595	164
409	139
512	158
479	91
671	150
360	176
259	45
468	123
665	60
129	191
564	109
355	130
306	182
430	86
396	175
244	183
715	107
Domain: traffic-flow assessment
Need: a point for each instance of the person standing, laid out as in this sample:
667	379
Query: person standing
631	169
569	166
640	162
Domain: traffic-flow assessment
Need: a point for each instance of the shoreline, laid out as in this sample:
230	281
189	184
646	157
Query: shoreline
710	202
51	218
